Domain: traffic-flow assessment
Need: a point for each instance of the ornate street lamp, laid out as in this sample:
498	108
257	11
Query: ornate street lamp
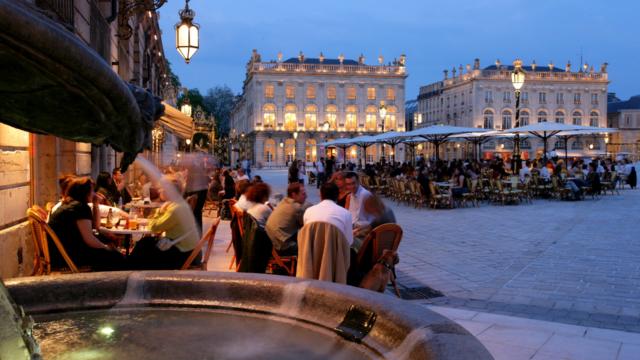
383	114
517	79
326	126
187	33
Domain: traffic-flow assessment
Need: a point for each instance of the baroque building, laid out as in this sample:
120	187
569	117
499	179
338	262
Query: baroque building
625	116
289	107
472	96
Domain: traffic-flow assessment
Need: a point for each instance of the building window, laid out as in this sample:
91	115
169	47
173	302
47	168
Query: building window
577	118
311	92
290	91
488	96
542	97
390	119
290	119
525	144
488	119
331	92
331	116
310	117
506	96
525	97
310	150
290	150
593	118
269	151
559	144
627	120
269	116
559	98
594	99
268	91
524	118
576	98
506	119
391	94
371	122
351	123
371	93
560	116
542	116
351	93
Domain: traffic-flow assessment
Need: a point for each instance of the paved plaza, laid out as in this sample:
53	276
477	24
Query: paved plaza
571	262
561	278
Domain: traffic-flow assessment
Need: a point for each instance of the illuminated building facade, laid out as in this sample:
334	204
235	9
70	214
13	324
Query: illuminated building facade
290	107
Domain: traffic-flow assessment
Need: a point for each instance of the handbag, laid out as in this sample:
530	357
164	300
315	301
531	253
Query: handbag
166	243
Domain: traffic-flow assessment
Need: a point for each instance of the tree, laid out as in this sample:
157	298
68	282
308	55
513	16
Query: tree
220	101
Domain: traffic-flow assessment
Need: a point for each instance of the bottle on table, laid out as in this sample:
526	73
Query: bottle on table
109	223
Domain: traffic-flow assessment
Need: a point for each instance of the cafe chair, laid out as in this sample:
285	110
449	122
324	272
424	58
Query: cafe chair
207	239
281	262
323	253
40	230
383	237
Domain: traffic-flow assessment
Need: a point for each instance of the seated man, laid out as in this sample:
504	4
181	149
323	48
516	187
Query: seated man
328	211
286	219
355	201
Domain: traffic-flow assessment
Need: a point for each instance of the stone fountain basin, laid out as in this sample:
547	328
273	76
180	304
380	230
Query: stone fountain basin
227	315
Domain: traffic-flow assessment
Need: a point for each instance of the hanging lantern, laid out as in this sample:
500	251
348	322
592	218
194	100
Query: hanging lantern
187	33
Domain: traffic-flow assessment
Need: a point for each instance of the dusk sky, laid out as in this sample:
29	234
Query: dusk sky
433	34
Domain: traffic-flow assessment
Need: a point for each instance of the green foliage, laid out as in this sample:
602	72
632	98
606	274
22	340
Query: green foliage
220	101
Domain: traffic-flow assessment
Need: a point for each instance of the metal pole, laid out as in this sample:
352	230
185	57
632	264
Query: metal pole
516	146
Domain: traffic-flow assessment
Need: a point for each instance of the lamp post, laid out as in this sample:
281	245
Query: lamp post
187	33
295	144
188	142
383	114
517	79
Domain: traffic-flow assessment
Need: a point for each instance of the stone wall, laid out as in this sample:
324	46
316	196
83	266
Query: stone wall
15	194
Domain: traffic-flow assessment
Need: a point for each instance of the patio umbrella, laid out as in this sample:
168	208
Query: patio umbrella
477	138
412	143
439	134
364	142
342	143
391	138
584	130
544	131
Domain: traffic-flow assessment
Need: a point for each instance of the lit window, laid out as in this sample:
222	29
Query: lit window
268	91
351	93
371	93
290	119
390	119
506	96
391	94
311	92
488	96
577	118
576	98
331	116
331	92
351	123
310	116
290	91
371	122
269	116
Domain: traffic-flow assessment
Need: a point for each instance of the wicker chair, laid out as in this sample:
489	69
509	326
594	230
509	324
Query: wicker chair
40	230
383	237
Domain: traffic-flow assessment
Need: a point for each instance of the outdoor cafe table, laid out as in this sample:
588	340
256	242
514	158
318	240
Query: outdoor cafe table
145	208
128	234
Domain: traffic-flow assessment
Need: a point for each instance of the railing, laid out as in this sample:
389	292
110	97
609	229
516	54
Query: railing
326	68
100	33
546	75
63	9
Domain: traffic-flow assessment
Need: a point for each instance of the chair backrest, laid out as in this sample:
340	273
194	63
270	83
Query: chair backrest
433	189
208	239
323	253
41	263
42	228
383	237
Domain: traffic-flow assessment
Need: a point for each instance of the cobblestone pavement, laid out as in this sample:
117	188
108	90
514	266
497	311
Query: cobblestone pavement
571	262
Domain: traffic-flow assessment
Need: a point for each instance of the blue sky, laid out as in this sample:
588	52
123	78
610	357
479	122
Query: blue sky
433	34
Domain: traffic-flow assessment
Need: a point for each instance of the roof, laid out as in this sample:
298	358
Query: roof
525	68
632	103
410	106
317	61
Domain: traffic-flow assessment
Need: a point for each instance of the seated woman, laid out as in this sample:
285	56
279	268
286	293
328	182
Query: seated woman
257	195
176	220
72	222
458	183
241	188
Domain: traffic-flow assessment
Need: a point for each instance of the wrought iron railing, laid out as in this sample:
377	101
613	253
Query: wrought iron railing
63	10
